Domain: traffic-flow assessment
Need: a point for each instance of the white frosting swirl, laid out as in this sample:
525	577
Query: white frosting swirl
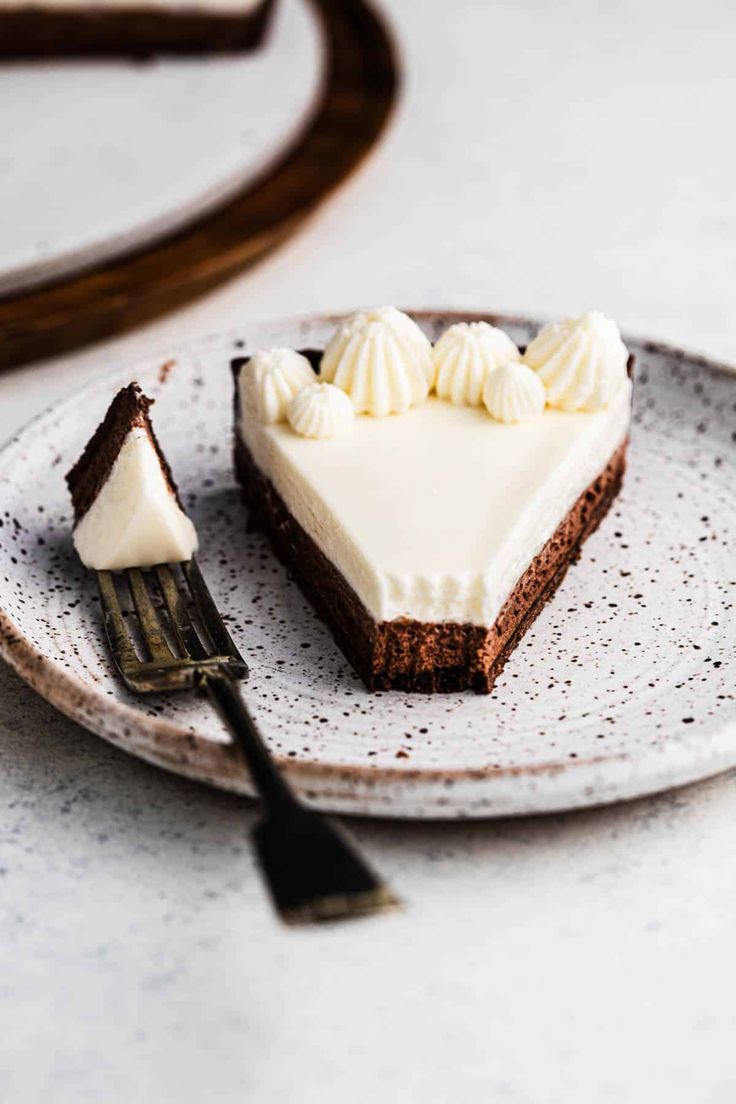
464	356
271	379
321	410
382	360
513	393
581	361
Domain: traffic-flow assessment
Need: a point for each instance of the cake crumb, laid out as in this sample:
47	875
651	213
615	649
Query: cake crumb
165	370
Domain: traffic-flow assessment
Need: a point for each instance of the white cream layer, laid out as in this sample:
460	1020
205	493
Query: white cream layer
135	521
244	6
435	514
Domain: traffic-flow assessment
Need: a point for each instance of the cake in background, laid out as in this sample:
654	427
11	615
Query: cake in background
58	28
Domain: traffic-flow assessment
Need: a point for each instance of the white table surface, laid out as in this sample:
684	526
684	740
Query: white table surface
542	161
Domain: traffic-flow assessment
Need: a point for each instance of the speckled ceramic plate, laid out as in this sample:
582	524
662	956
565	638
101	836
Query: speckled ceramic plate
624	686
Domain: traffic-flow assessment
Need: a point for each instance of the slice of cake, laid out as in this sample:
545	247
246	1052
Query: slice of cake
127	511
430	517
130	27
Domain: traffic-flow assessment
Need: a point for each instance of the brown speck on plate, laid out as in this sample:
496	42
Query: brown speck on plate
634	668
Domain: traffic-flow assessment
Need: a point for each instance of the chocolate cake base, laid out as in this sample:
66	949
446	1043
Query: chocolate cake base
417	655
127	411
31	30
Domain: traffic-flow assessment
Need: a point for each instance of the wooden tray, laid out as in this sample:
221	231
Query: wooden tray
361	83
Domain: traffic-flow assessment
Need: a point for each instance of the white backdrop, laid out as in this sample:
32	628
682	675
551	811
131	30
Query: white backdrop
545	158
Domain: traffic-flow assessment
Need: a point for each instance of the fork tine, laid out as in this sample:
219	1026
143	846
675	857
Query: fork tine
208	612
186	635
148	619
117	633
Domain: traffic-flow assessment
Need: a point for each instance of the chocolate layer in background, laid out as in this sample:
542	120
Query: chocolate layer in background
416	655
33	30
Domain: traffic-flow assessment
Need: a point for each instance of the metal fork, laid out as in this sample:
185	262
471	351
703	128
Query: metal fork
313	871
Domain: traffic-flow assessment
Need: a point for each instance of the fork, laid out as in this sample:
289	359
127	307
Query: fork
313	871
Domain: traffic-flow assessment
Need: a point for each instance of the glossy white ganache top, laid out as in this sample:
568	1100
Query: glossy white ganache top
435	514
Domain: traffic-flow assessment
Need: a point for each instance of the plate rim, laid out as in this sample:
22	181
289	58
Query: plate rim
165	744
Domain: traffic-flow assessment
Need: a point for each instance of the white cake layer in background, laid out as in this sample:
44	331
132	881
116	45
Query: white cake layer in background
183	6
435	514
82	175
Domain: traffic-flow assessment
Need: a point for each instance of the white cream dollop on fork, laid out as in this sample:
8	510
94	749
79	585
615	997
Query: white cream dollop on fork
135	520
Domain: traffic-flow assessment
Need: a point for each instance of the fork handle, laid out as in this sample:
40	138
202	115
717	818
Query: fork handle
223	692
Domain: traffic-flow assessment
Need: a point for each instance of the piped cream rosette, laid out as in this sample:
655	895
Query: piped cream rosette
382	360
581	361
379	362
465	356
